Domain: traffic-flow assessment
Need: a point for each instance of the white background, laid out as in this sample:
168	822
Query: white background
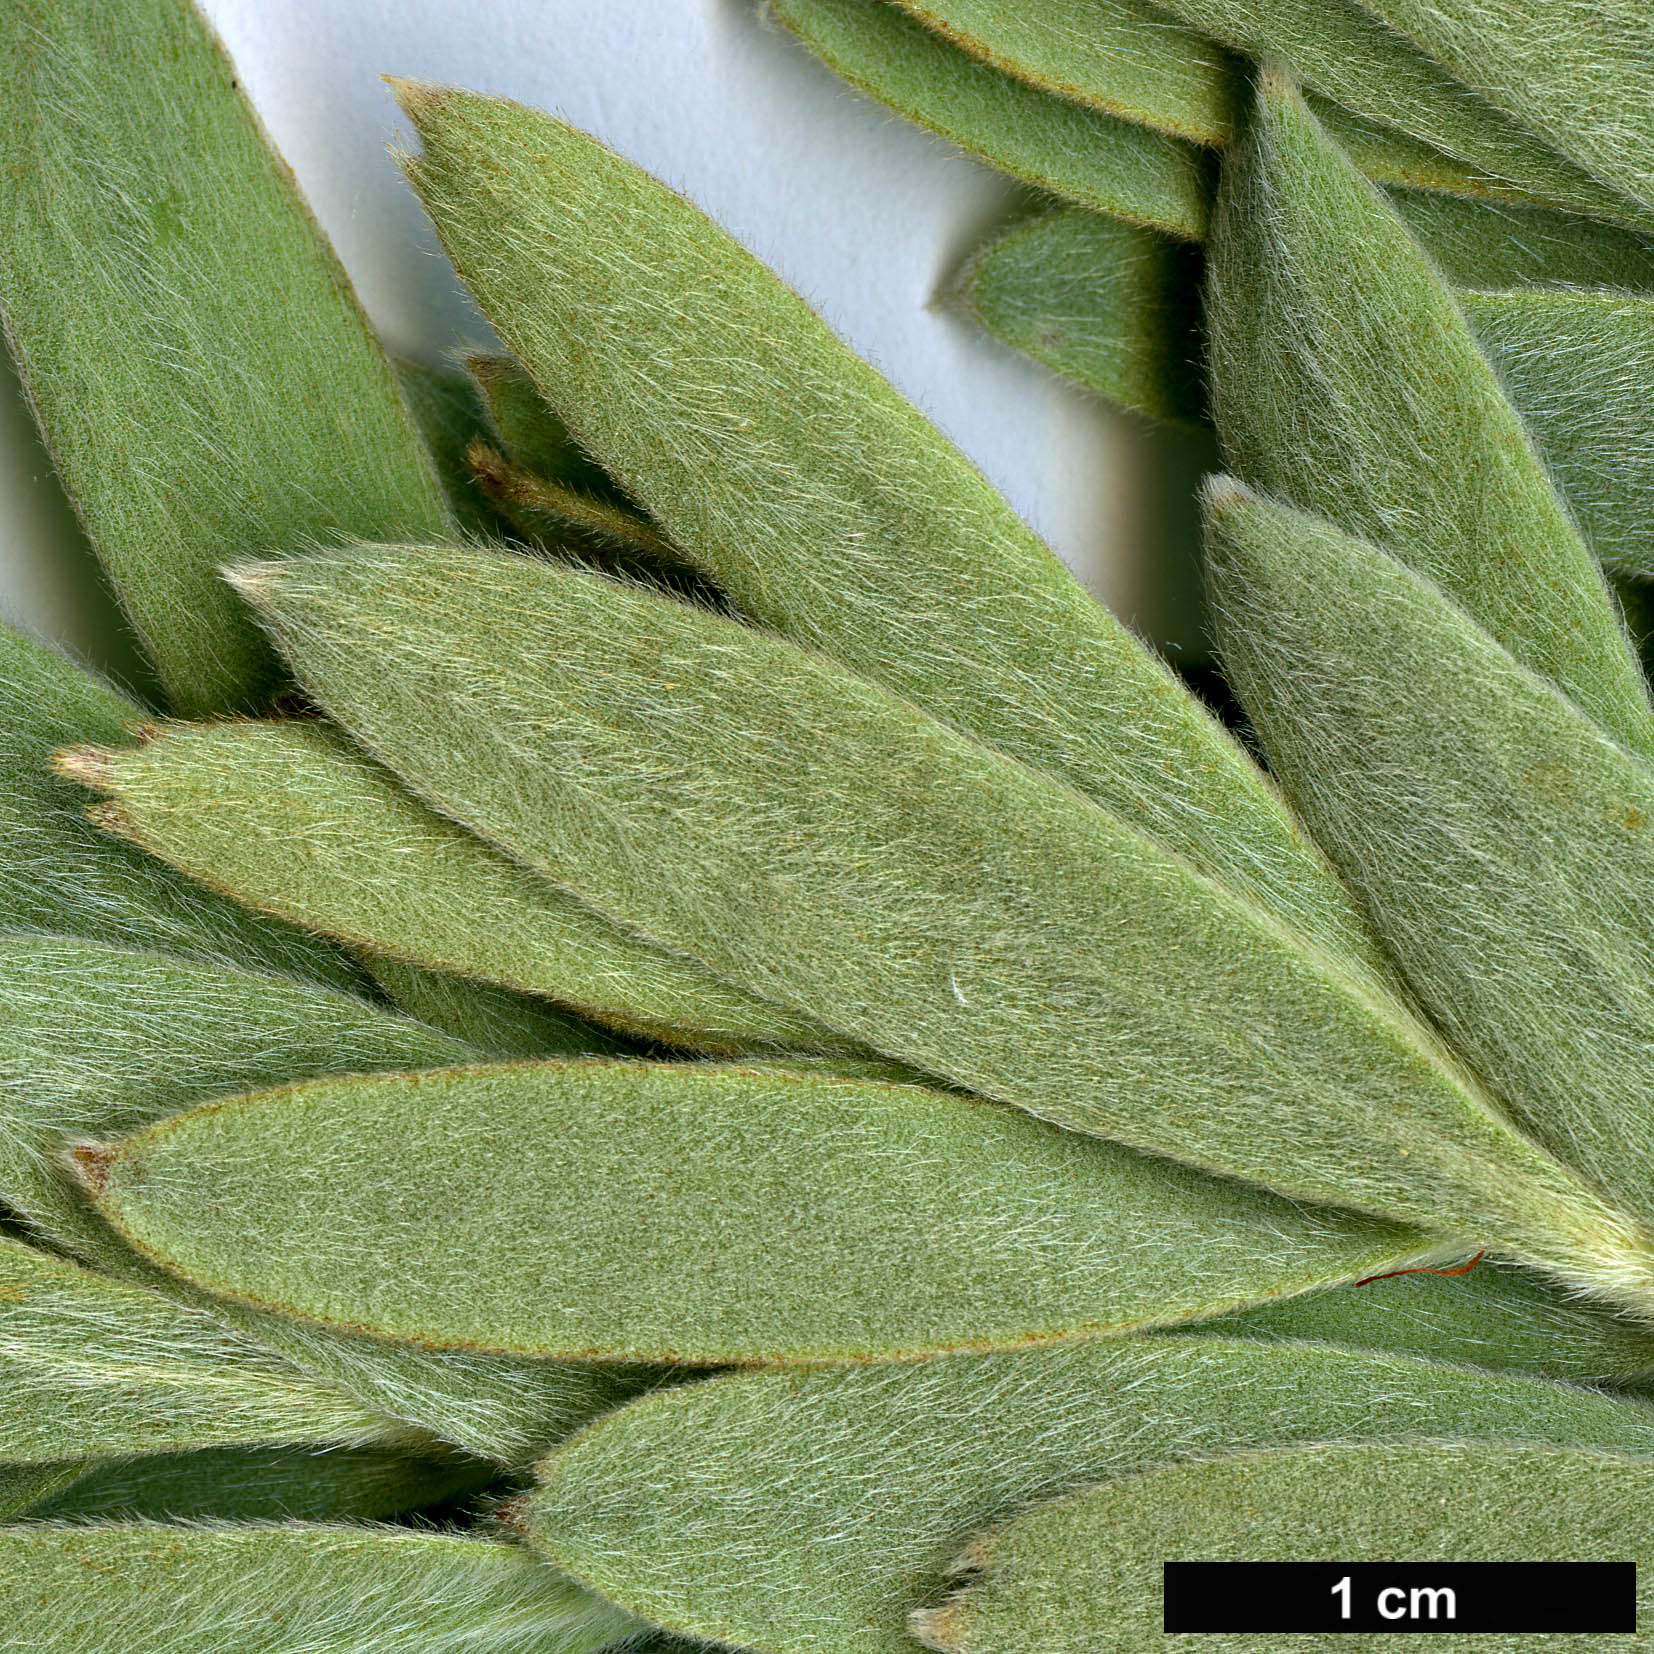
862	213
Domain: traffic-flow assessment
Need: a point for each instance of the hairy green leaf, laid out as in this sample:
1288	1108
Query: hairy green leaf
1126	58
202	373
1500	841
287	818
294	1589
1107	303
448	408
1582	75
92	1367
95	1041
23	1487
827	845
490	1019
1345	379
1490	1317
550	513
1084	1575
268	1484
800	1511
1579	366
699	1214
1342	52
1078	152
533	437
819	501
59	874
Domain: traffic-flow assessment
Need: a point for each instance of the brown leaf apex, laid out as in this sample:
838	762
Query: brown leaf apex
86	766
90	1162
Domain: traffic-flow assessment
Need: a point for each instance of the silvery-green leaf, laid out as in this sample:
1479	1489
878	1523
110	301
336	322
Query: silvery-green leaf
1107	303
490	1019
298	1588
1582	75
95	1041
1346	380
448	408
1579	366
1126	58
59	874
819	501
794	1512
829	846
1341	51
92	1367
1085	1574
270	1484
203	375
1501	841
1488	1317
286	818
1502	244
704	1214
1073	150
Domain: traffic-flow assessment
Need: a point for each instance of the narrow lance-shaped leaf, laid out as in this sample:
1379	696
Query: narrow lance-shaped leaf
1340	50
93	1367
1501	842
1087	1572
287	818
702	1214
1111	305
1579	366
270	1484
1081	153
448	409
202	373
292	1589
1581	75
1128	59
95	1041
797	1511
1346	380
59	874
1490	1316
820	501
533	437
489	1019
712	785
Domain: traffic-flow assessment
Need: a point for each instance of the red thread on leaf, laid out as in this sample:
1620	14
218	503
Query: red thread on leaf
1458	1269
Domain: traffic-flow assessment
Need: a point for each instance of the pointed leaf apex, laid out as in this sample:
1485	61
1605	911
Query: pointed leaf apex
90	1162
1221	493
418	98
87	766
253	580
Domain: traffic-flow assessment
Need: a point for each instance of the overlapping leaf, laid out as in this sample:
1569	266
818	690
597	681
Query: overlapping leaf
98	1040
202	373
1583	75
1086	1572
1500	840
271	1484
59	874
706	1214
824	505
1346	380
92	1367
792	1512
1072	149
288	819
1494	1317
708	784
141	1588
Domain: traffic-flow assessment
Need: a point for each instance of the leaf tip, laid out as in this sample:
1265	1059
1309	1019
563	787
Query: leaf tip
92	767
253	580
90	1163
418	99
